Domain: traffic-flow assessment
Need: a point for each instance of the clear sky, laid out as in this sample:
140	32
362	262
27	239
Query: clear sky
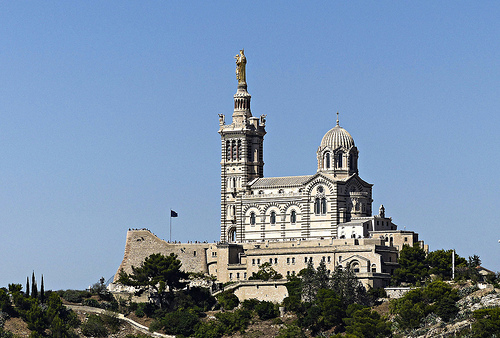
109	118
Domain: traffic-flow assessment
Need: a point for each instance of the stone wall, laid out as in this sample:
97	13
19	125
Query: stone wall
271	291
142	243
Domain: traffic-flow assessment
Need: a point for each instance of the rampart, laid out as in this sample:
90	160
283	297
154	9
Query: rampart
142	243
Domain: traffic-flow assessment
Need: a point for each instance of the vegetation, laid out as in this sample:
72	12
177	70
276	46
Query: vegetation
266	272
161	273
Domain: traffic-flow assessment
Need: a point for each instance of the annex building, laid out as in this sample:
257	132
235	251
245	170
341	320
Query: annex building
285	221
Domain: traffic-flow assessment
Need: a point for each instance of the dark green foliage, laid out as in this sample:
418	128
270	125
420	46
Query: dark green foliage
161	273
145	309
250	304
291	331
413	266
487	323
94	327
74	296
91	302
347	286
5	303
309	287
234	321
42	292
196	298
294	287
111	320
439	262
438	297
366	323
266	272
226	323
27	286
180	322
266	310
34	289
228	300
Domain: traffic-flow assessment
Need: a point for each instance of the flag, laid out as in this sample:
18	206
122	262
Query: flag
173	213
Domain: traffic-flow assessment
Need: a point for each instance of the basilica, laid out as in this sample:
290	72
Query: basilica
287	222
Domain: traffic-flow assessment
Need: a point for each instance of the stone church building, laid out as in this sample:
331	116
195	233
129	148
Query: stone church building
285	221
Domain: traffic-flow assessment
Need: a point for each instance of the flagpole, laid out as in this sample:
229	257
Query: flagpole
170	226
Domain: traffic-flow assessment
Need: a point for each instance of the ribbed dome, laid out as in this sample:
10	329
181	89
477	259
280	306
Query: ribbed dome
337	137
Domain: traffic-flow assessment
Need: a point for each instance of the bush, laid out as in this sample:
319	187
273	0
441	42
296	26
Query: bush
291	331
75	296
228	300
180	322
266	310
91	302
111	321
249	304
94	327
144	309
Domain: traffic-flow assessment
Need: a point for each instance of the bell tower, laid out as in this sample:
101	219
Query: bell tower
242	158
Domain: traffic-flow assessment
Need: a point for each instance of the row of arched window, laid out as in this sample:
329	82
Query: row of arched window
339	161
233	150
272	217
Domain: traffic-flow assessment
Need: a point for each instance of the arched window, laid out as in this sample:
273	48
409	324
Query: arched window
273	217
293	217
323	206
238	150
317	206
252	218
339	160
354	266
228	150
327	161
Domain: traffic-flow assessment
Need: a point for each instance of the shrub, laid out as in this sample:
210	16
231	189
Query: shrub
144	309
75	296
180	322
94	327
266	310
91	302
228	300
249	304
291	331
111	321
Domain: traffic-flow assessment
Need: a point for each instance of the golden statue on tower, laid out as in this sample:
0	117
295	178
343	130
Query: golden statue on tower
241	62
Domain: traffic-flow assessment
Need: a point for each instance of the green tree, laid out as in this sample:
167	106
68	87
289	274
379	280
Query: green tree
228	300
27	286
440	262
161	273
266	272
291	331
34	289
42	292
487	323
308	276
412	265
368	324
348	287
266	310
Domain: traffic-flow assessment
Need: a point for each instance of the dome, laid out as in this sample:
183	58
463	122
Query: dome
337	137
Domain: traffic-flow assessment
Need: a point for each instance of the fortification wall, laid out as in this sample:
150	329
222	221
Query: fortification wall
143	243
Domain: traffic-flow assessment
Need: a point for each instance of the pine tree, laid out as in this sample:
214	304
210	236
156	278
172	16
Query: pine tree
42	292
27	286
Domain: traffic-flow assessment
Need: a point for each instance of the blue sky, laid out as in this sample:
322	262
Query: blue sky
109	118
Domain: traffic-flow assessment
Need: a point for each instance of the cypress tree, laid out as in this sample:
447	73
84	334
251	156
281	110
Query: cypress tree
42	292
34	289
27	286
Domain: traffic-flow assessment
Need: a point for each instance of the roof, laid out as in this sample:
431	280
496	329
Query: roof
337	137
275	182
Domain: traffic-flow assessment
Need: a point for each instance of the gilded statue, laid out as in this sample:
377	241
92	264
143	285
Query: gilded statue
241	62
